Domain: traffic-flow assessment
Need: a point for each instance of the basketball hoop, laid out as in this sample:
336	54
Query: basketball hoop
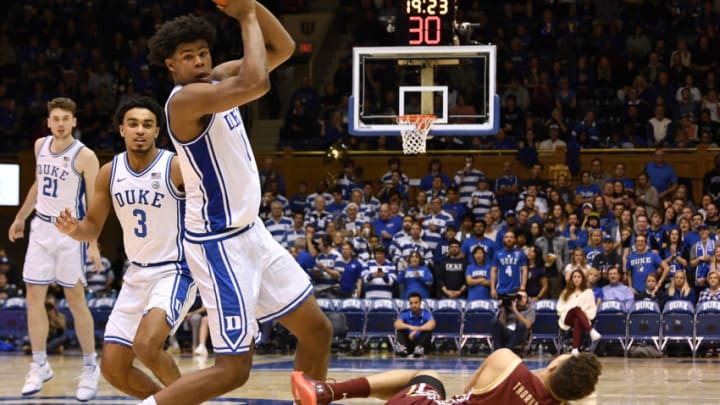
414	129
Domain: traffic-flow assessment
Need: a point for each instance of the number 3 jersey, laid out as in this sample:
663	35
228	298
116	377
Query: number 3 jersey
150	210
59	185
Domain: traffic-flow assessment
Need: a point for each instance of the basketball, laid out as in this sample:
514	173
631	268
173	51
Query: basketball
221	3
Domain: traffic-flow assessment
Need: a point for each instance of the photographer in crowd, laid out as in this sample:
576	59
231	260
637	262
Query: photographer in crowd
514	322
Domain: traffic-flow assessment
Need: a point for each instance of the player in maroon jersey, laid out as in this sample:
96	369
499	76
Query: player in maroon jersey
501	379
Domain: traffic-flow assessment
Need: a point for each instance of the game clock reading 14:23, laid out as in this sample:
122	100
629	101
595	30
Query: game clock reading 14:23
425	22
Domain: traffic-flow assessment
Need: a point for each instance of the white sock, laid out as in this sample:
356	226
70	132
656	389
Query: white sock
39	357
148	401
90	359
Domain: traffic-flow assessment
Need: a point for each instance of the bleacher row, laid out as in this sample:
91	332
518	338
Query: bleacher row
457	320
13	318
461	321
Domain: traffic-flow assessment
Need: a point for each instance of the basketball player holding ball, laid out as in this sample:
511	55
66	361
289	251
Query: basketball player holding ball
243	274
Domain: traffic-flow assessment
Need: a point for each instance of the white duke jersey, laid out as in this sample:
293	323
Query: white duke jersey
222	183
59	185
150	210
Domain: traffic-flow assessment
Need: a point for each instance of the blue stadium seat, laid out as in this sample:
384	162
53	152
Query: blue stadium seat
448	315
429	304
611	322
100	308
678	323
476	321
354	310
707	323
546	328
381	315
15	303
336	303
326	304
13	320
644	323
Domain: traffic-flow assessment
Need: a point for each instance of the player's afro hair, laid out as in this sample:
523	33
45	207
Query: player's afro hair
576	377
178	31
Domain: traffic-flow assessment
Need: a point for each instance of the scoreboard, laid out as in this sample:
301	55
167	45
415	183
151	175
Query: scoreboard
425	22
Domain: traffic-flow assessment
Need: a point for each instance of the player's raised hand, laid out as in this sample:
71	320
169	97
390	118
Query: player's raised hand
65	222
17	230
236	8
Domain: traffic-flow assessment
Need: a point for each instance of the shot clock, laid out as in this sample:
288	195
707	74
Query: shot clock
424	22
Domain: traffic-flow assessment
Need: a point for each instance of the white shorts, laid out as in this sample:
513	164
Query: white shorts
53	257
244	277
168	287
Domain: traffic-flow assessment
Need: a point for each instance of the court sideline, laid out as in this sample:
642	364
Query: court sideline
624	381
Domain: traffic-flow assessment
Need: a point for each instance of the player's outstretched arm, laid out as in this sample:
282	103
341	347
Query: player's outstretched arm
89	228
279	45
249	83
17	228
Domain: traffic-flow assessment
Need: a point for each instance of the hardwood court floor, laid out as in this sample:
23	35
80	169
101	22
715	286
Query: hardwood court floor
624	381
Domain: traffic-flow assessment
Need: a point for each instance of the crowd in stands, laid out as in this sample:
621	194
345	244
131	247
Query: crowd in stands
580	74
96	54
570	73
630	238
627	74
440	238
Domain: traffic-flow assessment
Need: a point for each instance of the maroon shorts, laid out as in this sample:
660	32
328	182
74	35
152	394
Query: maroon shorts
416	394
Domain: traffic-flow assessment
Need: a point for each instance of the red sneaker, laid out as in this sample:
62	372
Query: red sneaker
307	391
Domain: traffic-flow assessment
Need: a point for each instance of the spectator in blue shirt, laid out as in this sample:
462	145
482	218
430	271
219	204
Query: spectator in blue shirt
661	175
350	277
386	225
478	239
298	202
434	170
680	289
576	236
507	188
414	328
346	181
589	126
478	276
586	190
642	262
509	268
269	173
337	206
454	207
617	290
416	278
301	255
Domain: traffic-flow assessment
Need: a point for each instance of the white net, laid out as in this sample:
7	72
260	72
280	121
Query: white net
414	129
